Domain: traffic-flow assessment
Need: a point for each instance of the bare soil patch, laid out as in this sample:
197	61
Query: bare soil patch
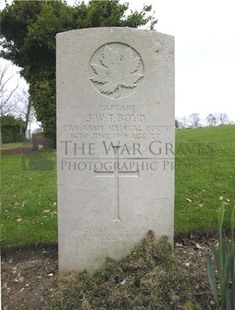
30	274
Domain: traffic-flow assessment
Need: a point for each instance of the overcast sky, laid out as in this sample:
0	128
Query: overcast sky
204	32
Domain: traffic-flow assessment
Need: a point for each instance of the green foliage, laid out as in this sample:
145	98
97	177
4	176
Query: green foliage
29	29
150	277
224	257
12	129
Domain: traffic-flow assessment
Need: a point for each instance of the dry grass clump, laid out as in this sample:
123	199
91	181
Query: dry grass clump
150	277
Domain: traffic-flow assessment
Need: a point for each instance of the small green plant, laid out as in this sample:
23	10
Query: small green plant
224	257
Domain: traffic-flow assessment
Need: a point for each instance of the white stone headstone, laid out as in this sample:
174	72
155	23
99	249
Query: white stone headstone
115	142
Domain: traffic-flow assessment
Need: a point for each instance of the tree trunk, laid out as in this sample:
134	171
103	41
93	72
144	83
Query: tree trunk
27	116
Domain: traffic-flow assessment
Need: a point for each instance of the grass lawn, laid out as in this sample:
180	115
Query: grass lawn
8	146
203	176
205	171
28	205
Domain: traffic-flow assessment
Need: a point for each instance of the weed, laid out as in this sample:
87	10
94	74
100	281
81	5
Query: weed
224	257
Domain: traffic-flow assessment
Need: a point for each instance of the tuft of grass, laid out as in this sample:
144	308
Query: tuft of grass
150	277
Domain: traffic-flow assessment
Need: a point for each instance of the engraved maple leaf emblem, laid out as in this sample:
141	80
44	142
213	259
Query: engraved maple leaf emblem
116	70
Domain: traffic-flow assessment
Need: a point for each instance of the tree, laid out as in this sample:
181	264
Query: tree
6	92
24	109
194	119
28	33
223	118
181	122
13	100
211	119
177	123
12	129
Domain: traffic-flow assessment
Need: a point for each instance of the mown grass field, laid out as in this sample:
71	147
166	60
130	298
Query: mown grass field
204	176
9	146
205	172
28	204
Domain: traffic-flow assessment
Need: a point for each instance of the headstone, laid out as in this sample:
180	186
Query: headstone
115	142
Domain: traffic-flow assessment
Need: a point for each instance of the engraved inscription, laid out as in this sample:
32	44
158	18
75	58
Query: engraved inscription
109	122
116	70
102	237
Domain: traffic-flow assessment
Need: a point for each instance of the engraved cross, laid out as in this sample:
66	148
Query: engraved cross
116	173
